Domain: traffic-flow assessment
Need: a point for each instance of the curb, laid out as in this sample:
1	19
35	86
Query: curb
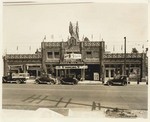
30	81
90	84
140	83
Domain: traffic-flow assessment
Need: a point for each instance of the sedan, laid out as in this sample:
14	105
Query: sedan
119	79
45	79
69	80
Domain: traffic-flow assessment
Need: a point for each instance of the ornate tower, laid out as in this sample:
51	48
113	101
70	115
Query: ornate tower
74	30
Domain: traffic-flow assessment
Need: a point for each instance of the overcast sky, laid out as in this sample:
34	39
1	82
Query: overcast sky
24	26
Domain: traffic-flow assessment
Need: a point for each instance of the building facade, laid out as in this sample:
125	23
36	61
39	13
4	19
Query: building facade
22	63
84	59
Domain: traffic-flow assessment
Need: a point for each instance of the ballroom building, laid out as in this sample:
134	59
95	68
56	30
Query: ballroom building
85	59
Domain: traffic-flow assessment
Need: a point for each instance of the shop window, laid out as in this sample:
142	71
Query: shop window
107	73
39	73
127	72
89	54
56	54
112	73
106	65
138	71
49	55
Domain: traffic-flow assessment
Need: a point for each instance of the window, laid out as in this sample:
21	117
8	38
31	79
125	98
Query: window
49	55
112	73
56	54
107	73
89	54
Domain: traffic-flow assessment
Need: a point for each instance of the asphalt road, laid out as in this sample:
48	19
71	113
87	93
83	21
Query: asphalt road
33	96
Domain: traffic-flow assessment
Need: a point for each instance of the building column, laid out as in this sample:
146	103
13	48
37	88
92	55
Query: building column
24	68
62	52
83	74
104	73
122	69
36	73
53	54
56	73
129	69
68	72
143	65
65	72
5	66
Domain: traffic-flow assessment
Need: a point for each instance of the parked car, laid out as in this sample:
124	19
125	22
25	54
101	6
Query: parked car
15	78
69	80
45	79
119	79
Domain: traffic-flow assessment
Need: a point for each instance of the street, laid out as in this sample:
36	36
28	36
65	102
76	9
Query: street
33	96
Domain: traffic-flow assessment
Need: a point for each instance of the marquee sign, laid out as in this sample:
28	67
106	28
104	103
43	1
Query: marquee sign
72	56
72	67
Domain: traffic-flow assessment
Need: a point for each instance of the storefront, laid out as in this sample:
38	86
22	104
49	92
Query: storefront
77	70
34	70
16	68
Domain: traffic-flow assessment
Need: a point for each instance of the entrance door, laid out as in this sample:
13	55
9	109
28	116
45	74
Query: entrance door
76	72
89	73
109	73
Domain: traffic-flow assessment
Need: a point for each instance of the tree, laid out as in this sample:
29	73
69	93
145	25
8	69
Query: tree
86	39
71	29
77	30
134	50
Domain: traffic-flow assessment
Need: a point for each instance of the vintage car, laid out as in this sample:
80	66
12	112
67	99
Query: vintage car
45	79
69	80
118	80
15	78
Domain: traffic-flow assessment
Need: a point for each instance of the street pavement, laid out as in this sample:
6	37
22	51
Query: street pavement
74	98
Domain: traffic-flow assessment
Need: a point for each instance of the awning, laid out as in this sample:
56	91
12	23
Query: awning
72	67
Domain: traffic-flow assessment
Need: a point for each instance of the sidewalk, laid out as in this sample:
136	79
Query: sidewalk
42	113
32	81
50	113
89	82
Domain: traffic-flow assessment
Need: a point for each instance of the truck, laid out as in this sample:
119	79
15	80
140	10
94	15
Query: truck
15	78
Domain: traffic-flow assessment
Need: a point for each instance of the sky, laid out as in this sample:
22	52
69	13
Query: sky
25	26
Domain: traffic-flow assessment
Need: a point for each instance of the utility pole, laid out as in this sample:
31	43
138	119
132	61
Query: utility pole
101	58
124	55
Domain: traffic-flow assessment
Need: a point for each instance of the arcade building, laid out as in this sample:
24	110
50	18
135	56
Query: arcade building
85	59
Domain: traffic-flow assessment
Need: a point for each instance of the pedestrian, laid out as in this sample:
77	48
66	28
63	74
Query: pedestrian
93	106
99	106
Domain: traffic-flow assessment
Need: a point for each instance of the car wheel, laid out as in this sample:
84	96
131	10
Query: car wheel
49	83
18	81
109	84
123	83
53	82
74	83
37	82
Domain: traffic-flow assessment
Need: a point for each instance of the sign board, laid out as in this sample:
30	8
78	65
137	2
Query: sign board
96	76
72	67
72	56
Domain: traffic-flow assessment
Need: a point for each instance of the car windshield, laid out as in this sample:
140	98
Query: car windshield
117	77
